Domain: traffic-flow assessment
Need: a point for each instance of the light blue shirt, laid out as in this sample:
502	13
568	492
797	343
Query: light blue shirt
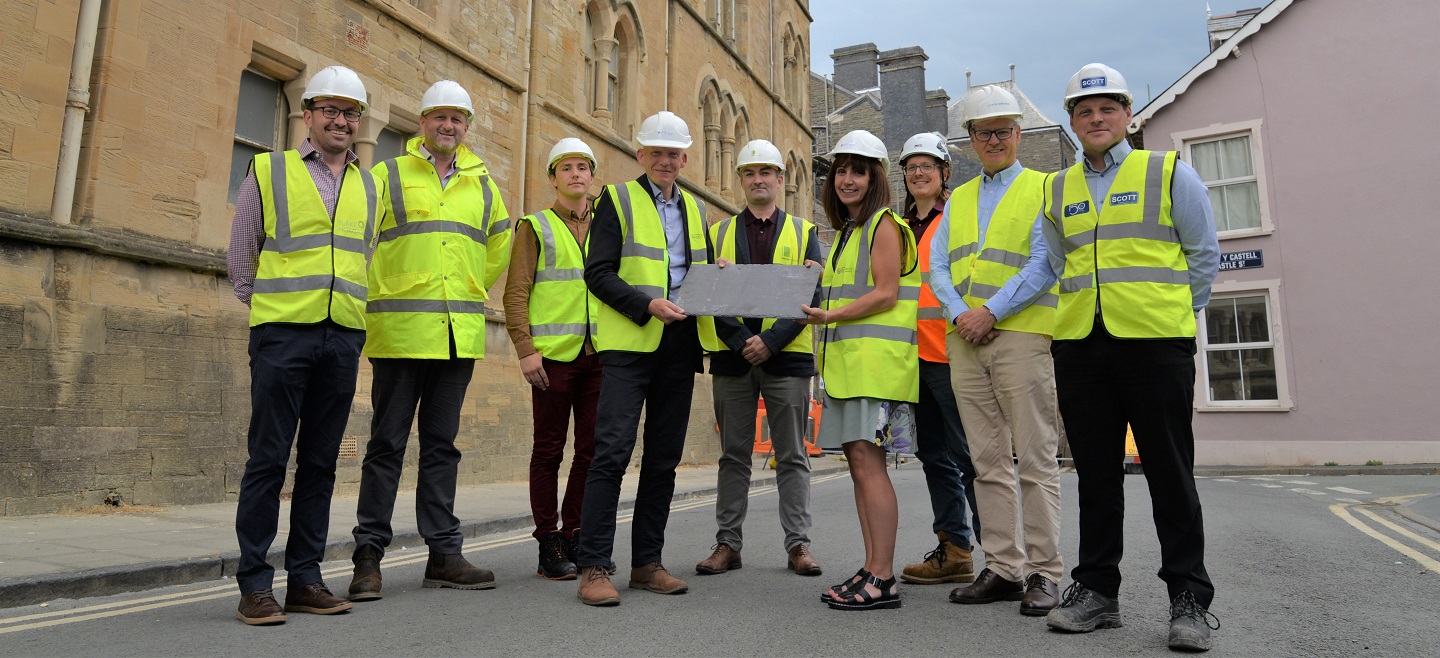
1189	212
1022	289
676	237
445	177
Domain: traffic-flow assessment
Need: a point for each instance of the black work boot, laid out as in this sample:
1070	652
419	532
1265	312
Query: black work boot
572	547
365	584
452	570
553	562
1190	624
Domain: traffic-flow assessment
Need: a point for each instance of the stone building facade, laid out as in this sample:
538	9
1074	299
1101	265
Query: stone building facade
123	347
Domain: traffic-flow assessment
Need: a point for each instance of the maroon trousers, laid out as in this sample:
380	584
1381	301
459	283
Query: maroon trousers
574	386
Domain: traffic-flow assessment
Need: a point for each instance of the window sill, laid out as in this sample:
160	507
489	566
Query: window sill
1215	408
1244	233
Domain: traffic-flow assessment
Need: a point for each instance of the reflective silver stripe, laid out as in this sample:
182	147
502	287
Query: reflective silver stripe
467	307
1057	200
1143	231
862	260
699	255
370	202
880	332
282	201
355	290
500	227
623	192
1047	299
352	245
397	192
721	232
1142	275
696	255
856	290
698	205
1003	257
963	288
485	205
560	275
284	243
1076	283
983	291
287	245
422	306
908	293
655	292
641	251
931	313
629	246
294	284
925	278
547	241
563	329
1154	172
963	250
433	226
1073	242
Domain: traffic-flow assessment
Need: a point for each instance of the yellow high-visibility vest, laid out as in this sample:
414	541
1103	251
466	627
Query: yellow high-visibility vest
645	263
439	251
876	356
562	310
792	239
1123	262
978	271
311	267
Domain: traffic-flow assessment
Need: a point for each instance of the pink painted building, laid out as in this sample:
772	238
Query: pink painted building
1316	126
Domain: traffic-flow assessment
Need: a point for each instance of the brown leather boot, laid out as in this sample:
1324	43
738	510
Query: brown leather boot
723	559
315	598
656	578
948	563
596	588
365	583
452	570
260	609
802	562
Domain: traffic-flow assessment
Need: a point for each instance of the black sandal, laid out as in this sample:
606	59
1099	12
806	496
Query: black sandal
856	598
857	580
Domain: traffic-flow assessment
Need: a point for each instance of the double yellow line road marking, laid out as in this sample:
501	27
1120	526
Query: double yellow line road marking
132	606
1372	528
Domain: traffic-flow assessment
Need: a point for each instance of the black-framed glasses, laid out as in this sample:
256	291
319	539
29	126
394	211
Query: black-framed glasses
923	168
332	112
983	136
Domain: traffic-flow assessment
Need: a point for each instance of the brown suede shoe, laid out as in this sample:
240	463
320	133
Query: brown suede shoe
453	571
260	609
988	588
802	562
723	559
656	578
948	563
596	588
1041	596
315	598
365	583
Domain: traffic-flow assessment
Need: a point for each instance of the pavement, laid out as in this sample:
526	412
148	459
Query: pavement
78	555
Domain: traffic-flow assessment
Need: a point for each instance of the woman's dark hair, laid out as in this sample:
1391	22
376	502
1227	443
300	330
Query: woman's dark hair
941	166
877	197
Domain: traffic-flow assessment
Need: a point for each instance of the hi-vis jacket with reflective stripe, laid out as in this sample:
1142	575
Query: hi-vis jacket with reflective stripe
1123	262
930	320
791	241
645	263
875	356
978	271
438	252
562	310
311	267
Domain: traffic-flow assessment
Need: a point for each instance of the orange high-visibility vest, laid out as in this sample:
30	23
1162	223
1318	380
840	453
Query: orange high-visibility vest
930	319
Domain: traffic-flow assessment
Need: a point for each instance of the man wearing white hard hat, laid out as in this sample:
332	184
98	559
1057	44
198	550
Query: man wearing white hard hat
1133	238
443	240
551	316
751	358
304	219
939	435
645	236
994	283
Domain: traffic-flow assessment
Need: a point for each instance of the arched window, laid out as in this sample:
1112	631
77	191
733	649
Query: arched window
727	143
710	115
587	46
799	88
623	64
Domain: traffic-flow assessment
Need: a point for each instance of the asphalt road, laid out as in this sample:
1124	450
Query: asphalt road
1299	570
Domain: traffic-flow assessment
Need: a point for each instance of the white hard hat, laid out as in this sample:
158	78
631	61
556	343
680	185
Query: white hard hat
446	93
861	142
927	144
336	82
666	130
759	152
570	146
989	102
1094	80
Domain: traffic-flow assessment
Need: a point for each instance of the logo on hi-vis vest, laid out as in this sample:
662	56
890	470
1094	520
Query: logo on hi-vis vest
1087	83
1077	208
1124	198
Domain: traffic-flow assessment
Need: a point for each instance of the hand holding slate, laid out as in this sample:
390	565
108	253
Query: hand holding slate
748	291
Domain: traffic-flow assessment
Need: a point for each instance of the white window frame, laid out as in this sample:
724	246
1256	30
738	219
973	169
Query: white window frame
1270	290
1184	139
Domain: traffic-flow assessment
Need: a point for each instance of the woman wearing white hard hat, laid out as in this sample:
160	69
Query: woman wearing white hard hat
549	313
868	352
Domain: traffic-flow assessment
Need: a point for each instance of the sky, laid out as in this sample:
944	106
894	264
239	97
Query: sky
1151	42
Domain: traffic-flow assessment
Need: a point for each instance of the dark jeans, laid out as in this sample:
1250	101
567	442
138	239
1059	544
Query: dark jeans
574	386
437	386
1103	383
301	376
945	456
662	383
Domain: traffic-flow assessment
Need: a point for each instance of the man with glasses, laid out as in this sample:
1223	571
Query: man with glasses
993	279
298	250
443	240
1132	233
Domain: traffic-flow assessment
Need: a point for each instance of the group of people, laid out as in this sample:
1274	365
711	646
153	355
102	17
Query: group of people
1027	300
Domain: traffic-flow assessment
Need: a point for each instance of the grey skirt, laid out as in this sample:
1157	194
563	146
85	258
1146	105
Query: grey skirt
851	419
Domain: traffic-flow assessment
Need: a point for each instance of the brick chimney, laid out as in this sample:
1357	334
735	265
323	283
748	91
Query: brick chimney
937	111
902	94
855	66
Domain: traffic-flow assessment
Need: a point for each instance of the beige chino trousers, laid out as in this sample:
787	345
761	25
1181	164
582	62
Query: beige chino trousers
1006	393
